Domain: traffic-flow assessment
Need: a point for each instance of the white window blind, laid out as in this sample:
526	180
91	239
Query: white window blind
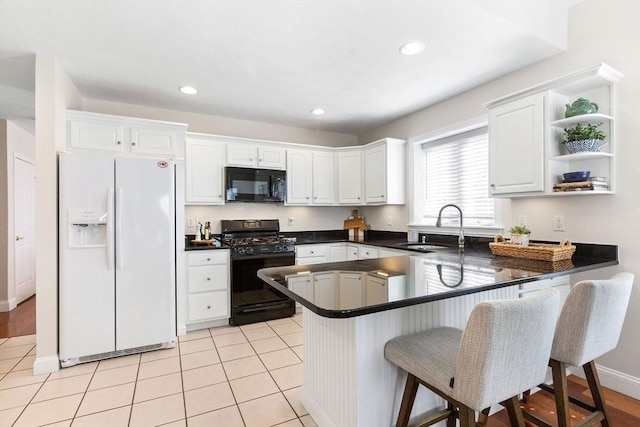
457	171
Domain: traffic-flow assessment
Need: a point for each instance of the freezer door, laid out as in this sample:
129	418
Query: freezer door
145	252
86	274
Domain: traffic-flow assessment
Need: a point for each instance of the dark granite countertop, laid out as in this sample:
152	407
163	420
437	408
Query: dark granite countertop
447	273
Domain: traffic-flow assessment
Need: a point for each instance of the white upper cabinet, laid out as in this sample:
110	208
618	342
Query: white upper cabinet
204	171
350	173
324	178
385	173
299	177
516	152
526	155
105	132
250	155
310	177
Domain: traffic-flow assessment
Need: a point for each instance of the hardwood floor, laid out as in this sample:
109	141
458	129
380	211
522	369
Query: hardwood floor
19	321
623	410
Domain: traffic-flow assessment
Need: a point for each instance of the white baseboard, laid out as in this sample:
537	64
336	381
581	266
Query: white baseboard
7	305
182	330
208	324
617	381
46	365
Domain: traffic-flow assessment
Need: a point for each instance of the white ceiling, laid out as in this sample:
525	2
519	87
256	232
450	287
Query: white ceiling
274	61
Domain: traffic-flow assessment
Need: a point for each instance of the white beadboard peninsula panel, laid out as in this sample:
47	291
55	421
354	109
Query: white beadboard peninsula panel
347	380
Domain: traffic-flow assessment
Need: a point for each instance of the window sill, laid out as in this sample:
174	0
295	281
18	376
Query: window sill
454	230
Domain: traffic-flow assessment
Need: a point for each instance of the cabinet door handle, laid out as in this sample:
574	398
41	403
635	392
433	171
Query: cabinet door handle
133	143
208	259
19	238
208	278
208	307
307	197
311	252
492	186
259	160
119	142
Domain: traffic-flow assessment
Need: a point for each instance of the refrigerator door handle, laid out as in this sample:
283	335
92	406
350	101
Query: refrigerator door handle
110	235
119	246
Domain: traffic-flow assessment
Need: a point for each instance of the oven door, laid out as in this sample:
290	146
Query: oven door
253	300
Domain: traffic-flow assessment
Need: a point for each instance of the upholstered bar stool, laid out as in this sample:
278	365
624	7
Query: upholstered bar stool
588	327
503	351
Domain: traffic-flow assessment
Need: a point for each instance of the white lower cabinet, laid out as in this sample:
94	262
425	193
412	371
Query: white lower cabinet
350	290
207	285
353	252
324	290
368	252
303	286
312	254
337	252
381	289
561	284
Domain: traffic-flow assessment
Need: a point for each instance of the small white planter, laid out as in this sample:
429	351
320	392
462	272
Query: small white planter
520	239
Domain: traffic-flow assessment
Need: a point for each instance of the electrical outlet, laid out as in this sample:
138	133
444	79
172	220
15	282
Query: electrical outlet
522	220
389	220
290	221
558	223
191	222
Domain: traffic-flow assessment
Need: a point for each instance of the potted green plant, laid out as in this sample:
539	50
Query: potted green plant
520	235
583	137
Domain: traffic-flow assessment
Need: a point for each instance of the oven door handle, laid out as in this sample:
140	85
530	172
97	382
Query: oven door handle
263	256
269	308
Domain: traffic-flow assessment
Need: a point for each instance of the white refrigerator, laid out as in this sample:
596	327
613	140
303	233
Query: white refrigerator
117	256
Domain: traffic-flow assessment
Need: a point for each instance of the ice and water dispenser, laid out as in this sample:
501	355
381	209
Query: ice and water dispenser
87	228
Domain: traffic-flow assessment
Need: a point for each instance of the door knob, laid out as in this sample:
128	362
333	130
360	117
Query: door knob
19	238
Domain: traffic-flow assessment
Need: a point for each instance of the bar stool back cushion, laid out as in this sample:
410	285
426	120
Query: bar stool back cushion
591	319
505	348
503	351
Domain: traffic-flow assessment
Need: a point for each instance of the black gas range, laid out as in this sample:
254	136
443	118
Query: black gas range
256	244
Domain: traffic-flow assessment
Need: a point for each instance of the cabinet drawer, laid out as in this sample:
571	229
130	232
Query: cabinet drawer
367	252
209	305
208	278
311	251
208	257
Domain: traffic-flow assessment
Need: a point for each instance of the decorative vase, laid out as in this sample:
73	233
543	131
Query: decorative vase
520	239
582	145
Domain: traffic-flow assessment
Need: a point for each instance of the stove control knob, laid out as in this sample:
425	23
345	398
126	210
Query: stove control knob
240	250
248	251
278	248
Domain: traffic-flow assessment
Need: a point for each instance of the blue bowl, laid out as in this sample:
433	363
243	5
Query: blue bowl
576	176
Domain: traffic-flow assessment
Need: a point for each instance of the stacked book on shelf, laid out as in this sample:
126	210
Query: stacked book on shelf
597	183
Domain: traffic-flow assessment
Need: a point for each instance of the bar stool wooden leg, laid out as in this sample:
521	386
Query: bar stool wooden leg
514	410
596	390
409	396
467	416
561	393
453	415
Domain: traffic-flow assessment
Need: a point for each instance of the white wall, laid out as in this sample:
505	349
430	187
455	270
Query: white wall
54	95
225	126
305	218
599	31
14	141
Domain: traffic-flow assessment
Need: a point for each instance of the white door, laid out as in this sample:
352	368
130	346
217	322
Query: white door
24	229
350	177
145	252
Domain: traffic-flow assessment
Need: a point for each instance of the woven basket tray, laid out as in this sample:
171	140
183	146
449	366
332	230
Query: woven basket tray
537	251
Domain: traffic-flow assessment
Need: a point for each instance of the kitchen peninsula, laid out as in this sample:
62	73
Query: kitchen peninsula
353	308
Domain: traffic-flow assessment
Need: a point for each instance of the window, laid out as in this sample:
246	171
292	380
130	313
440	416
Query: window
452	166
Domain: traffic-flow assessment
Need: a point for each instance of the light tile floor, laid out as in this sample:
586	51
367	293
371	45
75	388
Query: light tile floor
248	376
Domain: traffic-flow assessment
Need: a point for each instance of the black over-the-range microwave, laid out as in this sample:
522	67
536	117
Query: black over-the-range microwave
255	185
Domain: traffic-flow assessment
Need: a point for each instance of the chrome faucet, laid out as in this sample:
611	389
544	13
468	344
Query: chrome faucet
439	224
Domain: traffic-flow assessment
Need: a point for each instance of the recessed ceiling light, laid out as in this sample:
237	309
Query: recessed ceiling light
188	90
318	111
411	48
